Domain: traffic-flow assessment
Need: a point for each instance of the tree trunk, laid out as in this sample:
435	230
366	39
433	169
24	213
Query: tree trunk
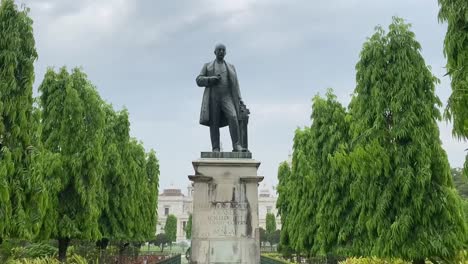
102	245
63	244
331	260
418	261
122	248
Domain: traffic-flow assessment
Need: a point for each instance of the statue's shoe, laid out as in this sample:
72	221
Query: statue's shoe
239	148
215	150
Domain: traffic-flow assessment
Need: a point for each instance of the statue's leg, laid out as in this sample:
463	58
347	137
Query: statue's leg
214	134
230	113
215	116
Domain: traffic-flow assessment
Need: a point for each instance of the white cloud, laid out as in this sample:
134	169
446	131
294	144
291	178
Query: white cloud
88	22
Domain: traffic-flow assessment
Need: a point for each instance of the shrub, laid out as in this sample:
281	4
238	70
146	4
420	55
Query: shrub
373	260
74	259
36	250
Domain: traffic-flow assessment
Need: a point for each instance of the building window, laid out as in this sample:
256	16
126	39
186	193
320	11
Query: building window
268	209
166	211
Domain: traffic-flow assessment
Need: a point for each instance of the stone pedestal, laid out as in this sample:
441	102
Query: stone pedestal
225	209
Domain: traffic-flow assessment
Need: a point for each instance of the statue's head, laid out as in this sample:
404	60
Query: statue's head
220	51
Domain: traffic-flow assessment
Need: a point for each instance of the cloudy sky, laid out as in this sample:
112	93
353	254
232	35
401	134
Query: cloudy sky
145	54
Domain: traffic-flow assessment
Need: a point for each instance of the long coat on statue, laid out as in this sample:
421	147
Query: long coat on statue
202	81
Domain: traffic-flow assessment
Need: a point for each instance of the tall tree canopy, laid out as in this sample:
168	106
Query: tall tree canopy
461	183
270	223
170	228
293	228
317	221
151	198
455	14
329	184
73	128
22	193
130	181
402	189
188	228
283	204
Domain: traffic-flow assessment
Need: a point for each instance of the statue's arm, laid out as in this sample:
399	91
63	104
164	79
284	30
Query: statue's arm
202	79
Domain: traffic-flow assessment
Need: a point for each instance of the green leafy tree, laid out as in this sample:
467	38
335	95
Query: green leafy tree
22	194
161	240
282	204
263	236
188	228
170	228
270	228
274	237
152	182
73	128
139	201
113	222
402	187
461	183
270	223
294	229
130	181
454	13
328	217
318	221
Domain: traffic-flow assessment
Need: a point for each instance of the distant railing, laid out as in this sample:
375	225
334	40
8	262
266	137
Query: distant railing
172	260
268	260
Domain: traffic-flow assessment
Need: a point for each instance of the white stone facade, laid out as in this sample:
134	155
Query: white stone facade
267	204
173	201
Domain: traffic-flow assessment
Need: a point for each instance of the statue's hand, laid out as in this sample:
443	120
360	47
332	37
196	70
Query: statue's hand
215	79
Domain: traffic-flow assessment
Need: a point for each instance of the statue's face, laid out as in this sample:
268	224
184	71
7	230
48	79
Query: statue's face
220	52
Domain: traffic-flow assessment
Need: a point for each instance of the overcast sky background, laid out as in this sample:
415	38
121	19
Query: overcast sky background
145	55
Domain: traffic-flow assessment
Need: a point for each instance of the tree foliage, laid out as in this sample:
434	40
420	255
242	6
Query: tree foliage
188	228
297	189
374	181
73	128
460	183
170	228
22	195
161	240
315	216
100	186
270	223
283	203
263	235
402	186
68	166
454	13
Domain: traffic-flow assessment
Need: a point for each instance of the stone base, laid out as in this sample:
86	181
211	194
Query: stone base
225	211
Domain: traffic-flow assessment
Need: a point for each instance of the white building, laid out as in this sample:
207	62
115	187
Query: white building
173	201
267	204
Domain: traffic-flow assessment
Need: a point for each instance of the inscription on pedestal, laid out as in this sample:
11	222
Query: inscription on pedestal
225	219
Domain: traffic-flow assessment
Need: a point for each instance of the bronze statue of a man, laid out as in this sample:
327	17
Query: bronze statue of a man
221	99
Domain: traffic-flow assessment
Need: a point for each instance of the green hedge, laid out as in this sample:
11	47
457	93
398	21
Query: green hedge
74	259
373	260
